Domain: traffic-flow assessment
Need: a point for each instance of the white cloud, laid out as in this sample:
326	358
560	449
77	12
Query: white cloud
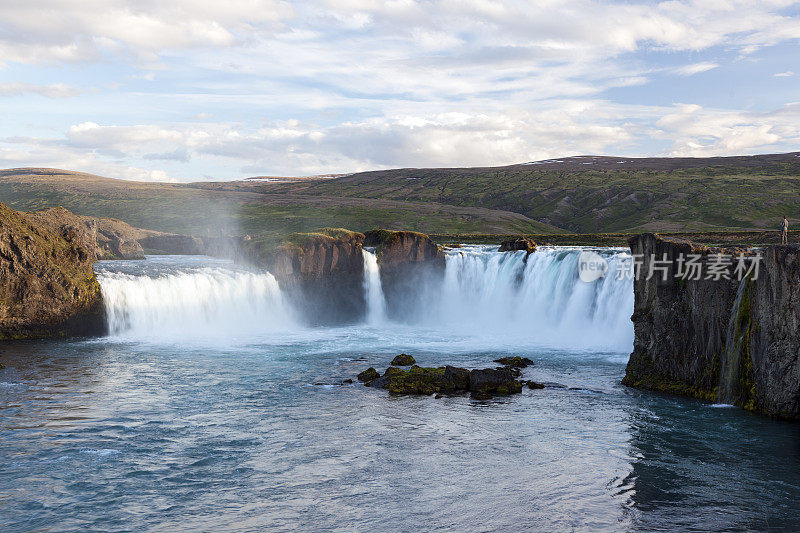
63	30
699	132
787	74
56	90
375	84
696	68
33	153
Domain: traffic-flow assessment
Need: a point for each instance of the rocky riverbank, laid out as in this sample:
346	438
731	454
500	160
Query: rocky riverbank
722	340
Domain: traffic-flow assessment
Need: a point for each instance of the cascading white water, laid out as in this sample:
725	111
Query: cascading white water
486	300
373	291
538	298
204	303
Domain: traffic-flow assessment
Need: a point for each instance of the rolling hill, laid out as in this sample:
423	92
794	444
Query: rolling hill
203	209
598	194
587	194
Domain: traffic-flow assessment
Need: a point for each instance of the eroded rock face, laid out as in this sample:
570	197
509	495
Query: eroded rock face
682	329
47	285
322	273
403	247
173	244
410	264
118	240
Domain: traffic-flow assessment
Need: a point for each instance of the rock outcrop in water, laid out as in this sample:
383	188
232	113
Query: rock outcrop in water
322	272
482	383
719	340
520	243
47	285
409	262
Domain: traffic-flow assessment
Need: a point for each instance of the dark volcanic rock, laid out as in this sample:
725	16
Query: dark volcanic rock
402	247
521	243
458	377
681	330
403	360
47	285
409	262
446	379
534	385
421	380
514	362
494	380
322	272
368	375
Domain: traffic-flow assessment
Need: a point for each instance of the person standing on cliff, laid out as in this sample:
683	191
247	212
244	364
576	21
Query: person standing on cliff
785	231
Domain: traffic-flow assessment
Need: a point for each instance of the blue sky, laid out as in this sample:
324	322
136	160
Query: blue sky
197	90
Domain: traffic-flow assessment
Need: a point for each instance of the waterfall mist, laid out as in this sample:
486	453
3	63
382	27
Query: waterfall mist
207	303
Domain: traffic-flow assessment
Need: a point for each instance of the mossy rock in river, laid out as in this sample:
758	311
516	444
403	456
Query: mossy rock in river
368	375
514	362
445	379
494	380
403	360
423	380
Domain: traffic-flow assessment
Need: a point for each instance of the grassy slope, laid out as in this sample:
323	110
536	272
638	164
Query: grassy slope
585	195
201	210
599	194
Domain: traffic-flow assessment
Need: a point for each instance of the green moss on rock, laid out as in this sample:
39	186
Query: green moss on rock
403	360
641	373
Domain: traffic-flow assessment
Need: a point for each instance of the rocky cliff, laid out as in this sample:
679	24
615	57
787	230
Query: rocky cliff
408	261
321	272
721	340
47	285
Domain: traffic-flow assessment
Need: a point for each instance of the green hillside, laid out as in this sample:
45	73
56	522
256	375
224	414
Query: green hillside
203	210
573	195
599	194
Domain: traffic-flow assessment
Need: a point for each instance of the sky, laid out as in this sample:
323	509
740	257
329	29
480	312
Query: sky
224	89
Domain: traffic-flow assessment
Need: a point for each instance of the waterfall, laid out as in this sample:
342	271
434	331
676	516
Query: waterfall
737	329
373	291
201	303
537	298
484	299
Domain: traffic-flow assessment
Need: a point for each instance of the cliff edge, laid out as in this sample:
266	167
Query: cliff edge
731	340
47	285
409	262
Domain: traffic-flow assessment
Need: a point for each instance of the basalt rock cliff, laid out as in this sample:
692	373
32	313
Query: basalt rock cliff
721	340
321	272
409	262
47	285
